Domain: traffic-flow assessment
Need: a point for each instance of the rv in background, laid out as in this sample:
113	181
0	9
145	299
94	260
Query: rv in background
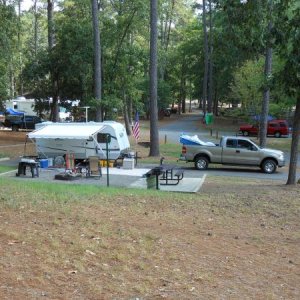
26	106
21	104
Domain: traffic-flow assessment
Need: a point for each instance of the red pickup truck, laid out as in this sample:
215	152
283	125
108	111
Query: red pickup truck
277	128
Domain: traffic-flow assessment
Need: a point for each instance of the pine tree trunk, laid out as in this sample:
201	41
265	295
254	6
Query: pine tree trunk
294	147
154	135
35	29
21	89
126	119
50	24
205	76
210	77
97	60
54	116
265	103
266	93
183	88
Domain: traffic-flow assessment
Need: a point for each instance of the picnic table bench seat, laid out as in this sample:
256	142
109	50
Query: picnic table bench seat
172	175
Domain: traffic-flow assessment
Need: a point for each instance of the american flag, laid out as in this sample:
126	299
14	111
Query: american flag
136	127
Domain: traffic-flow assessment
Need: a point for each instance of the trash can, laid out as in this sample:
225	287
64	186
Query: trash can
152	178
151	182
209	118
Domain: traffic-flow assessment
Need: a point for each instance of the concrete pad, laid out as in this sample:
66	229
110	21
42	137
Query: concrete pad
186	185
118	177
125	172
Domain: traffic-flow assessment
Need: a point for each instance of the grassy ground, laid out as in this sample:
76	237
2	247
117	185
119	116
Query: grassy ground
66	242
237	239
4	169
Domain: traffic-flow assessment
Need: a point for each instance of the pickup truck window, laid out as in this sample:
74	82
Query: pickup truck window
243	144
231	143
273	125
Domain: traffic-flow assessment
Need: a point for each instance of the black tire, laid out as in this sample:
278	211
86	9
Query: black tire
245	133
201	163
15	128
269	166
59	161
277	134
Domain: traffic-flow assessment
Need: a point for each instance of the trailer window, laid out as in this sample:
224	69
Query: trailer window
101	138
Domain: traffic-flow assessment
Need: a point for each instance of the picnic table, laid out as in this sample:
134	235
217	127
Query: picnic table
165	174
171	175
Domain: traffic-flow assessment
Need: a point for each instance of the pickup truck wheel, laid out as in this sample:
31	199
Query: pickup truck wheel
245	133
201	163
15	128
277	134
269	166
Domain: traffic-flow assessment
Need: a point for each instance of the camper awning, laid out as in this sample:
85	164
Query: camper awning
65	132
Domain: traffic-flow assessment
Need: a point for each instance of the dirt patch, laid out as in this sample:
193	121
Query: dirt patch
15	144
11	137
224	243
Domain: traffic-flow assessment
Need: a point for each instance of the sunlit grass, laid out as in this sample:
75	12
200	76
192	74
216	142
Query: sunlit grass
44	191
4	169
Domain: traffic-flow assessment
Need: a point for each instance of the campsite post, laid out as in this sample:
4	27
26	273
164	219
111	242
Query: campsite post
107	140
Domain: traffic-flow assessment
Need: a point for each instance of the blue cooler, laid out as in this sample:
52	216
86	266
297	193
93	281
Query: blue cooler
44	163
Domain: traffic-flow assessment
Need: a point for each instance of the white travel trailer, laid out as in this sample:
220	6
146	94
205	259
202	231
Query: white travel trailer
26	106
81	139
21	104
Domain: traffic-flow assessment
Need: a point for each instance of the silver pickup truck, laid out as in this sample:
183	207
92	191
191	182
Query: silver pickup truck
233	151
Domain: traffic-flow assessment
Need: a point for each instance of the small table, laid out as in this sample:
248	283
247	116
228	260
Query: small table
32	164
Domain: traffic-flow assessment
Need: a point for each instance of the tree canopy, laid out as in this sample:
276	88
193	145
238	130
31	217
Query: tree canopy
237	32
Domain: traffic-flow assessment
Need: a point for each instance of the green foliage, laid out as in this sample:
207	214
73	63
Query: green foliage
248	83
111	104
8	34
288	39
239	38
247	86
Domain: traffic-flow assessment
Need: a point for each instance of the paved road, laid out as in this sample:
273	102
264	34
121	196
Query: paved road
232	171
191	124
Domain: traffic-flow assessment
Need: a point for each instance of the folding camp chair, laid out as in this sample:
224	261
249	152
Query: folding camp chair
94	167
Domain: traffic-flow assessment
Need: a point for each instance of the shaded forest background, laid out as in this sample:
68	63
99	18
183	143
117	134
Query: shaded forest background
237	37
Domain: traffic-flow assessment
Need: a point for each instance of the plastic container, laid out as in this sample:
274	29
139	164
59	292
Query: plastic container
50	162
103	163
128	163
44	163
209	118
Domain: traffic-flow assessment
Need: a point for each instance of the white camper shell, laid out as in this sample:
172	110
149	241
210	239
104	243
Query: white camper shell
81	139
